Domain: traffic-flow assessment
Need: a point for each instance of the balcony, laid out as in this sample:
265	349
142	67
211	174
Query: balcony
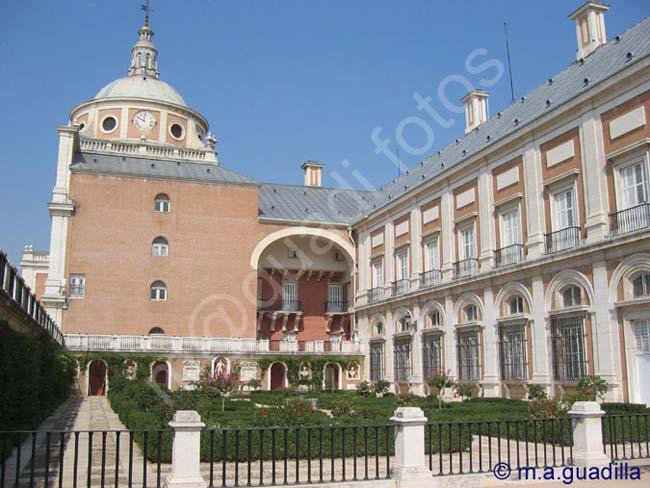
629	220
466	267
375	294
429	278
294	346
400	287
336	306
561	240
287	306
508	255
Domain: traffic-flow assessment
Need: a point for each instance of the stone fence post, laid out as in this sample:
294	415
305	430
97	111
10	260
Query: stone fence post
186	451
586	418
409	467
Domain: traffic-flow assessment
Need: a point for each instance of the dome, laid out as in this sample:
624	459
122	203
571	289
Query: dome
141	87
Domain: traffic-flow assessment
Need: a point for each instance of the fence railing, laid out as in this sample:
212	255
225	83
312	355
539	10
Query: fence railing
298	455
626	436
630	220
315	346
475	447
336	306
375	294
83	458
508	255
562	239
400	287
19	294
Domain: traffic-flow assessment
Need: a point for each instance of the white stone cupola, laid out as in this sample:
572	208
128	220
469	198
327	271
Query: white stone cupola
476	109
144	55
590	27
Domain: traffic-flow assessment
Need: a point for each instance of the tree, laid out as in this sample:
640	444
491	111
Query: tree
222	386
438	382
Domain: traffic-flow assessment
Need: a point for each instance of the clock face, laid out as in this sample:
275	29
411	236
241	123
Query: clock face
144	121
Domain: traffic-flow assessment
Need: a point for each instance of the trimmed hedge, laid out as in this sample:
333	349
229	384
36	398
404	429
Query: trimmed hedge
35	378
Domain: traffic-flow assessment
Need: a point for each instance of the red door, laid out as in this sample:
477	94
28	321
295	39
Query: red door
277	376
97	378
160	374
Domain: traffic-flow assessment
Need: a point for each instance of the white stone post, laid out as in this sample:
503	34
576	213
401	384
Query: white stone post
409	468
186	450
586	418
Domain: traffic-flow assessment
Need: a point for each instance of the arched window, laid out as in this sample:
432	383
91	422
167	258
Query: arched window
159	247
378	328
158	291
516	305
471	313
156	331
162	203
641	285
405	323
436	319
571	296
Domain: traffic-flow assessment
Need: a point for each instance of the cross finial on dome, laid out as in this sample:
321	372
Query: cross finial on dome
147	9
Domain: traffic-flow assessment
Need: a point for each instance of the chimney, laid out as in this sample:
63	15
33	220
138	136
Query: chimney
312	173
476	110
590	27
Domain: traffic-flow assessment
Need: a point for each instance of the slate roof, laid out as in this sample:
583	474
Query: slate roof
605	62
156	168
310	204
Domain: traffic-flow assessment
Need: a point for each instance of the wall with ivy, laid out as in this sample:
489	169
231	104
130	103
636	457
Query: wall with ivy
316	364
35	378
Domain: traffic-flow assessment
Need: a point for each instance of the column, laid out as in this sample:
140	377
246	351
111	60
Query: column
486	219
604	335
388	347
587	435
594	177
490	367
186	450
541	359
451	363
389	256
416	247
447	235
534	194
416	351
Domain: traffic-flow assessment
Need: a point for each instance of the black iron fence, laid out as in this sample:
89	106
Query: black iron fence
626	436
630	220
297	455
20	295
83	458
562	239
476	447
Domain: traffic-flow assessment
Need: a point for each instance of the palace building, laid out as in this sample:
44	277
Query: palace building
517	255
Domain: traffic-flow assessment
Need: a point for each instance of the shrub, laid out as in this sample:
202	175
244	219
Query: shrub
464	390
544	408
342	408
406	400
537	392
381	387
364	388
592	388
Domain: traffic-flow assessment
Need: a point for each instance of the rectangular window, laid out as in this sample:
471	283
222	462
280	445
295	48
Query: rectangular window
634	185
335	297
377	273
510	228
376	361
565	212
431	355
402	360
289	295
513	353
77	287
402	265
468	356
569	357
467	243
431	255
642	336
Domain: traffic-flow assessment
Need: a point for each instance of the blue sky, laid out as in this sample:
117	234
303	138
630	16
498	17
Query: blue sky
279	81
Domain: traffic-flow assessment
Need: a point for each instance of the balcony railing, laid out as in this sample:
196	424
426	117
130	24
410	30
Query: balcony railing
466	267
18	294
375	294
508	255
630	220
560	240
336	306
280	306
400	287
175	344
429	278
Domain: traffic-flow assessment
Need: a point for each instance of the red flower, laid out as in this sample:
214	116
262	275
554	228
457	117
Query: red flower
265	411
311	408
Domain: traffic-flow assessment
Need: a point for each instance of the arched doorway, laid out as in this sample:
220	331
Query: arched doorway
331	377
160	373
278	376
97	378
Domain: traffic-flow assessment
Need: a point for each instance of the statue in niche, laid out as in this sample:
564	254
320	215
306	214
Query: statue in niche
353	371
130	370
